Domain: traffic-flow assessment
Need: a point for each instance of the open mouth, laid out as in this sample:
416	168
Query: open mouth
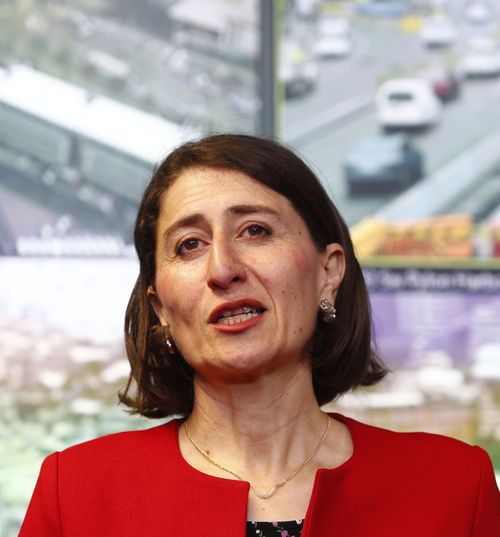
238	315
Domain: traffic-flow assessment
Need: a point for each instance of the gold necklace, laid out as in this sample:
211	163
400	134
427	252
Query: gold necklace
273	489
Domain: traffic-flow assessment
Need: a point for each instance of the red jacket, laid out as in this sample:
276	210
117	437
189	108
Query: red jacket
137	484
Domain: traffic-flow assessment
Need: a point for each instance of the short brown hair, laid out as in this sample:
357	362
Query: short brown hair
342	355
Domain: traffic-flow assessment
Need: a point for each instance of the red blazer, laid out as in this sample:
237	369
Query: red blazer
137	484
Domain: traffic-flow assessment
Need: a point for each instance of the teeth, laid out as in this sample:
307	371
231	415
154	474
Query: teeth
239	311
234	317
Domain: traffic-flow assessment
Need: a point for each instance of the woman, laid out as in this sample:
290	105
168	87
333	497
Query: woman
250	311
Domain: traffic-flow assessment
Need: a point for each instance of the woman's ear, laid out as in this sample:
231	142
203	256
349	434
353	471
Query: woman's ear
333	270
156	304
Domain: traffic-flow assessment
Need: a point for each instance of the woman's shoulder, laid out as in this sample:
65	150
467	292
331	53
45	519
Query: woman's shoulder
418	450
420	470
133	444
121	461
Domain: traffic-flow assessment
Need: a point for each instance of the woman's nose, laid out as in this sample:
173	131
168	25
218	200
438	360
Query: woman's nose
224	266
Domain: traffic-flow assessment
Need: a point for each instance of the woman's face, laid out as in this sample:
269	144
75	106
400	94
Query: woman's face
238	277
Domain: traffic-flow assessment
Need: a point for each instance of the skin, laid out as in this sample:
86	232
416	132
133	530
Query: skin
222	237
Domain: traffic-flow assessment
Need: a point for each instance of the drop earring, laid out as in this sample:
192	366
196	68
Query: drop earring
170	345
328	311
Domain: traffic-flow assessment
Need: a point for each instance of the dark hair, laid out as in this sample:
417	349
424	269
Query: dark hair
342	355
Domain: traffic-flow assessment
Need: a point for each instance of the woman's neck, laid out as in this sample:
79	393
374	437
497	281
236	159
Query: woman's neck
262	429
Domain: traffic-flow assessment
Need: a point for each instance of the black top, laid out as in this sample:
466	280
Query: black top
290	528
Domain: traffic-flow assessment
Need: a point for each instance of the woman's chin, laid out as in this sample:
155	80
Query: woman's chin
241	368
234	368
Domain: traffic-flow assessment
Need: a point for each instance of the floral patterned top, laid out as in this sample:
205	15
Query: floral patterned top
290	528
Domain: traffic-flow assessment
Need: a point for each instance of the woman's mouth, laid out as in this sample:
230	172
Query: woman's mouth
237	315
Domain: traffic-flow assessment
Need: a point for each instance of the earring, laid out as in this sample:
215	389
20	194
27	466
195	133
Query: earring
328	311
170	345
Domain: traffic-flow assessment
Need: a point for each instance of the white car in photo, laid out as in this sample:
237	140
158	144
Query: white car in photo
479	12
438	32
334	38
407	103
482	58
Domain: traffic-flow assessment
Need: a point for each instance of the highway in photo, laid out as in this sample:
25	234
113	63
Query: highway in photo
345	92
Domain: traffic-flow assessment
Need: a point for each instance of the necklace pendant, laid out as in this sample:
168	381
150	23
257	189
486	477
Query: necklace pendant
265	495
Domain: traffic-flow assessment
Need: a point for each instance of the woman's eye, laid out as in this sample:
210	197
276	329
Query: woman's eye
188	245
255	230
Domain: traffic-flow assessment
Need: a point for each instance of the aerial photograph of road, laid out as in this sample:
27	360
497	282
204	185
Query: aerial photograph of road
395	104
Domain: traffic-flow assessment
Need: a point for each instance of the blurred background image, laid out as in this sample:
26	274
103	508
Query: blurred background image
395	105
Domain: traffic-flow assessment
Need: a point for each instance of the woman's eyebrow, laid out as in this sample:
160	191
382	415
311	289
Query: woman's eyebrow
251	209
187	221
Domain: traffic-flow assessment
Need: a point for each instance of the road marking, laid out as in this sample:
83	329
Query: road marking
306	129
